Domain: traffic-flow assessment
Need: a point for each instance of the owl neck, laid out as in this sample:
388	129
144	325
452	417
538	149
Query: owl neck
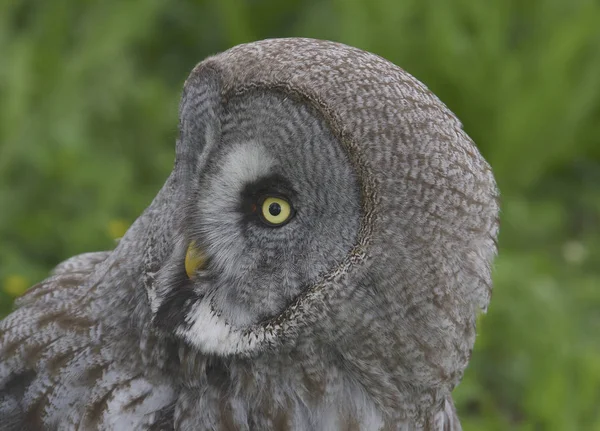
296	391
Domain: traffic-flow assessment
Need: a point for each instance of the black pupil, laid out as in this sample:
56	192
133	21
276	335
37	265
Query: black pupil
274	209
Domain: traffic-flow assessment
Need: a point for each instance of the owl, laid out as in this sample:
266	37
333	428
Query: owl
316	260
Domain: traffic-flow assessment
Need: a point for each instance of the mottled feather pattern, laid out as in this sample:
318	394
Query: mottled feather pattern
60	334
358	314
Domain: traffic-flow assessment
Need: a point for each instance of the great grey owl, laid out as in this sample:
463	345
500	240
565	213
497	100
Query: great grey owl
315	261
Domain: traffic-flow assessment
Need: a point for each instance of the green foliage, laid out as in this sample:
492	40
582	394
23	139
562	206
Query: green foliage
88	117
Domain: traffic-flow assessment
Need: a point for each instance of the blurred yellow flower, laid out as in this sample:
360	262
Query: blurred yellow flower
15	285
117	228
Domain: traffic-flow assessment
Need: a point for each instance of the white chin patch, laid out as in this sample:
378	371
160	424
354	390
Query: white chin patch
211	334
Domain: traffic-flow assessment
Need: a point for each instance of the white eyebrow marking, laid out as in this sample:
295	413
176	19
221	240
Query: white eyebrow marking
245	164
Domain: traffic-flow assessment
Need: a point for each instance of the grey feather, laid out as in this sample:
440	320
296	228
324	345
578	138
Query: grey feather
358	313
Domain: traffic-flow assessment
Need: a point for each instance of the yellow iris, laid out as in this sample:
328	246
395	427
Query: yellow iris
276	211
195	259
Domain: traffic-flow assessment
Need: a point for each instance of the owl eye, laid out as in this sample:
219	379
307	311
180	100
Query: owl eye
275	211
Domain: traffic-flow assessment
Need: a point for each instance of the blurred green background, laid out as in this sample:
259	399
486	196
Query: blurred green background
88	115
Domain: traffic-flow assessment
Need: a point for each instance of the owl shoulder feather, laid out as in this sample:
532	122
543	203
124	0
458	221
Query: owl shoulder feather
35	336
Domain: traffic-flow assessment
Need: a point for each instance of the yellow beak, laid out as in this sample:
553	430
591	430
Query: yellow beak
195	259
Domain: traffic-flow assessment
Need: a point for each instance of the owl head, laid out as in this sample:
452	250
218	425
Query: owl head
322	196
